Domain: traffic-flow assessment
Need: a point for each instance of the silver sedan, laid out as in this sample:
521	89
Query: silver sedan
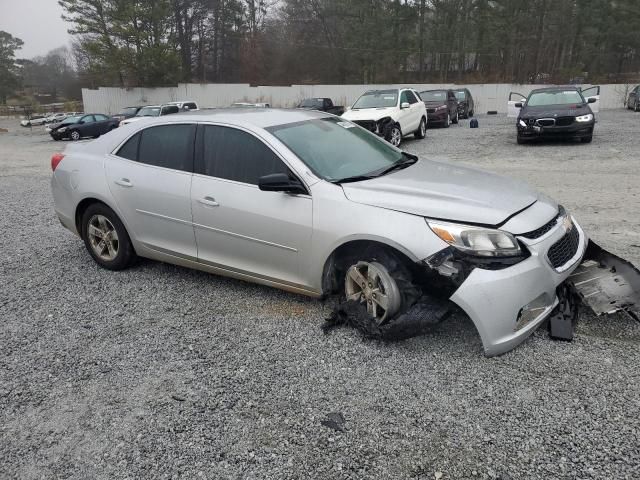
314	204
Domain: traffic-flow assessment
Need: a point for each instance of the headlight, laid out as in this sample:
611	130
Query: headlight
441	107
522	123
62	130
479	241
584	118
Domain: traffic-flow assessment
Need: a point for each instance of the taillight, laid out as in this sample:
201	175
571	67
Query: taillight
55	160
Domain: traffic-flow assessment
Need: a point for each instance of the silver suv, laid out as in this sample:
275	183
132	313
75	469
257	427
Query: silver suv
314	204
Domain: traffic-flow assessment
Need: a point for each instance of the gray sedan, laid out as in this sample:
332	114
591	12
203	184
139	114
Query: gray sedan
314	204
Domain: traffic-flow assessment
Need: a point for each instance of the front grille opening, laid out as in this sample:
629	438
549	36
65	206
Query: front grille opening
547	227
564	249
564	121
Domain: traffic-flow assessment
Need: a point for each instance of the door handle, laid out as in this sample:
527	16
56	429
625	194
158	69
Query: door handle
124	182
209	202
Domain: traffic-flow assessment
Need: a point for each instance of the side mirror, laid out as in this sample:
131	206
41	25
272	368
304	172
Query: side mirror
404	105
518	105
280	182
592	100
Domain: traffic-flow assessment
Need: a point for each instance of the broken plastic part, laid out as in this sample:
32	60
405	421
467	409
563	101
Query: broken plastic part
421	318
607	283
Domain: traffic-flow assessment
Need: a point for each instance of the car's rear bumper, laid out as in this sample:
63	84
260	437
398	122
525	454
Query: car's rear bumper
507	305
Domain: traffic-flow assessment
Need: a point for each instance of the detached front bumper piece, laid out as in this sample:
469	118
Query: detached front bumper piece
607	283
508	304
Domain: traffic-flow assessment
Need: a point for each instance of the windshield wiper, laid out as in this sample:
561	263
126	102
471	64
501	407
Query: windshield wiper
406	161
355	178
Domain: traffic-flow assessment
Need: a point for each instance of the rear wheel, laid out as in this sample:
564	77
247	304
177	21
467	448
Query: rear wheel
422	129
75	135
105	238
455	119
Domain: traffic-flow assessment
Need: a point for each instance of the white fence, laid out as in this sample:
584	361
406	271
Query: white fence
487	96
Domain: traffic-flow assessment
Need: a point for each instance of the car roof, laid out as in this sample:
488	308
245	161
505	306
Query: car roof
259	117
556	88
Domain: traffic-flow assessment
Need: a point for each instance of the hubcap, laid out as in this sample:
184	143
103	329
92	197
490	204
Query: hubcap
423	128
75	135
448	119
103	237
372	284
396	137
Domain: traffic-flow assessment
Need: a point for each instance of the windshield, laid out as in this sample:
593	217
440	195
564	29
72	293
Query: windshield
149	112
70	120
460	95
377	99
311	103
434	96
557	97
128	111
335	149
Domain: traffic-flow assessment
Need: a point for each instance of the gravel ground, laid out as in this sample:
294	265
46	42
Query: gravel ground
162	372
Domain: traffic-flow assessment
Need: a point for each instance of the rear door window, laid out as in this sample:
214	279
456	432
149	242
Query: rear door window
130	149
236	155
168	146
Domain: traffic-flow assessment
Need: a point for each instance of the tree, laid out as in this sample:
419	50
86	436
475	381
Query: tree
8	72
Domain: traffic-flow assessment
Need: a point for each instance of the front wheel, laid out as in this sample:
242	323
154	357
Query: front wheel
587	139
382	282
75	135
422	129
393	135
106	238
521	141
447	122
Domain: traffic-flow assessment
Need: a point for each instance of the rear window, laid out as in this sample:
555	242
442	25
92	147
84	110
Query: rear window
168	146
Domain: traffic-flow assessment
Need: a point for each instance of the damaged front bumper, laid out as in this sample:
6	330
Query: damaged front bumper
508	304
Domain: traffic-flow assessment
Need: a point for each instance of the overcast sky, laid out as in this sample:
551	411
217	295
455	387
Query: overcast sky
37	23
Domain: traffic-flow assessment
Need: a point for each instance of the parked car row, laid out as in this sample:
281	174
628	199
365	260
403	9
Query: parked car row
37	119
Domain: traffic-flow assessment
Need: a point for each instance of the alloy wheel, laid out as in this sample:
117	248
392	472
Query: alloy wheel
396	137
423	128
371	283
103	237
75	135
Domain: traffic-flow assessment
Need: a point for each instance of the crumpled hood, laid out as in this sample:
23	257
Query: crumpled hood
552	111
444	191
368	113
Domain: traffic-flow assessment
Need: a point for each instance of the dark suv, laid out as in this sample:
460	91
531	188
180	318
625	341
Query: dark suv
633	102
442	107
466	107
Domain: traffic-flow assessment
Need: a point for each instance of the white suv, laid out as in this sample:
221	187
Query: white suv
392	114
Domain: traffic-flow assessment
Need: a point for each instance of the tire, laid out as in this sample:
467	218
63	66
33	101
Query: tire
447	122
399	288
422	129
75	135
521	141
470	114
117	253
455	120
587	139
636	106
393	134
